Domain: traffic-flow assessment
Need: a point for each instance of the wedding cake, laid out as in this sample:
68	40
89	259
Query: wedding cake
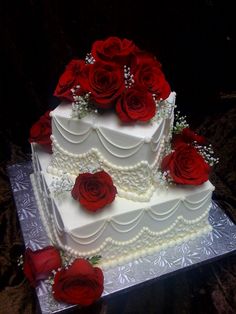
116	173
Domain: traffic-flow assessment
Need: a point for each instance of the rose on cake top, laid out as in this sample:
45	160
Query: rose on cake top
116	75
72	76
114	49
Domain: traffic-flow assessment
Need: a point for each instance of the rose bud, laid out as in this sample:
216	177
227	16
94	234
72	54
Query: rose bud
39	264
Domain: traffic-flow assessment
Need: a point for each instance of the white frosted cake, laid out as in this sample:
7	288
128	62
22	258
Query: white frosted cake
155	204
131	154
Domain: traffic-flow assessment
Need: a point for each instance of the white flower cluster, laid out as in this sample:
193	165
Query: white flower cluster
20	261
180	123
67	259
206	151
81	104
163	109
89	59
50	280
129	78
162	178
61	184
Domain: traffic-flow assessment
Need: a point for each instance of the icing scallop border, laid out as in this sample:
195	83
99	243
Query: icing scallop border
132	182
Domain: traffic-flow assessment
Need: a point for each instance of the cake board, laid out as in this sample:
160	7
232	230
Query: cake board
221	241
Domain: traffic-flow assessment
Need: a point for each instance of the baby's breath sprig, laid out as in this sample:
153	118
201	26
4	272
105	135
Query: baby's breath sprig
20	261
50	280
129	78
180	123
164	109
206	151
163	179
67	259
89	59
61	184
81	105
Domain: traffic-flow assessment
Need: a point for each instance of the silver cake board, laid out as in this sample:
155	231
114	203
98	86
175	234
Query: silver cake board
206	248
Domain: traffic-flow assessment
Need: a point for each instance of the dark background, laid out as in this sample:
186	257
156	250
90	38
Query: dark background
194	40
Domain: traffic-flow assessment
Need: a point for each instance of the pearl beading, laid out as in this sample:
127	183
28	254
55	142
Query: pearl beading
181	230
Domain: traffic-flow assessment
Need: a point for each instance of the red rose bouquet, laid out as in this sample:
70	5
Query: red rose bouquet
115	75
190	159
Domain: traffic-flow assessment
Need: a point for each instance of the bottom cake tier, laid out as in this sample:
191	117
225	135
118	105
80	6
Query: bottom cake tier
125	229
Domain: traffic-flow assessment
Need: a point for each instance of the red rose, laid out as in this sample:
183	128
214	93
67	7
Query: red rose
187	136
148	75
75	74
106	83
186	165
38	265
135	105
41	131
113	49
80	284
94	191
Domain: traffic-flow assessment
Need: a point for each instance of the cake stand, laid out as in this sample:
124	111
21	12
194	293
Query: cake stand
221	241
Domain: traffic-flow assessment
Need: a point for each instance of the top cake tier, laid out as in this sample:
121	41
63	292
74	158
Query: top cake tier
130	153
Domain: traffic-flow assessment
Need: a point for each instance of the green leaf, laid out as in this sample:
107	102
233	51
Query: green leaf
94	259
